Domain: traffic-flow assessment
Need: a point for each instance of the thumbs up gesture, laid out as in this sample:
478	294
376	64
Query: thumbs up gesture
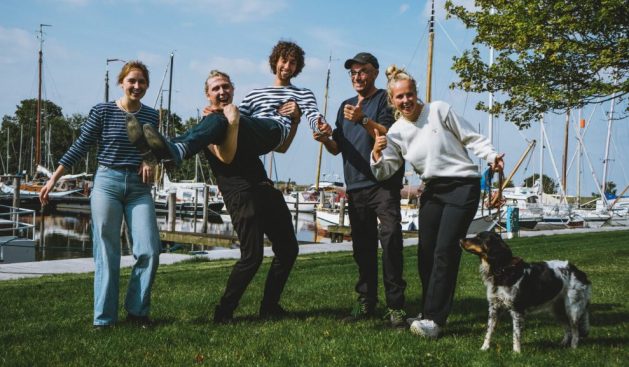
354	113
379	145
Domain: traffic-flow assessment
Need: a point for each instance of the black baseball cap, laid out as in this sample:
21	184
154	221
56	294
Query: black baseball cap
362	58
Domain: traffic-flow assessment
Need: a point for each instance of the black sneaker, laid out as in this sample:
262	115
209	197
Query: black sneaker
361	311
222	316
141	321
135	133
162	148
272	312
397	318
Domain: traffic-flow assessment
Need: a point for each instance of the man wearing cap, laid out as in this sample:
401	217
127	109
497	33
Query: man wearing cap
369	200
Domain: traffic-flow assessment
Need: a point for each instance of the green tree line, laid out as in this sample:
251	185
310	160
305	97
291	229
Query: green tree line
58	132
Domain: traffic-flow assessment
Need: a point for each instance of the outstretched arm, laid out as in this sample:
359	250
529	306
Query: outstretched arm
50	184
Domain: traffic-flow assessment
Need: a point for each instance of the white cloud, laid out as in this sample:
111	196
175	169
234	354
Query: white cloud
16	44
232	11
333	39
440	10
404	8
228	65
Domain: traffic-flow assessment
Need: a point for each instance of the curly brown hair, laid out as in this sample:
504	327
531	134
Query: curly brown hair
285	49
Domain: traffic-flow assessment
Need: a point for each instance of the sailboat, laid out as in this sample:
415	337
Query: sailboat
189	197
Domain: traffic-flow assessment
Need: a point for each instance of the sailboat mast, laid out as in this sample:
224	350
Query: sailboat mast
490	123
170	93
541	157
37	159
6	169
431	41
579	154
564	168
325	113
609	136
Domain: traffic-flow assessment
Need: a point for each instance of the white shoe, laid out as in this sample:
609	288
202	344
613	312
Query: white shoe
425	328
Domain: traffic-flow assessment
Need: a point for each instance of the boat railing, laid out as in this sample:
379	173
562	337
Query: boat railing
17	222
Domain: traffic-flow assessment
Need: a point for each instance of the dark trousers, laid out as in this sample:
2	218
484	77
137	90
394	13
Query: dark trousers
255	212
366	206
261	134
447	207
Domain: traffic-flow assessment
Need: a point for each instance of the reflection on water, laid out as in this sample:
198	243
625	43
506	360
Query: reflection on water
65	236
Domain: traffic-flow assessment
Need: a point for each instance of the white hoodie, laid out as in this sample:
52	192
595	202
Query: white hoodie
435	145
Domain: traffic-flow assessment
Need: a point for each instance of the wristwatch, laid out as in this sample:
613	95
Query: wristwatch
364	121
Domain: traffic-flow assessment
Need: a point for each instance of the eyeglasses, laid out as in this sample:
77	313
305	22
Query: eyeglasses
353	73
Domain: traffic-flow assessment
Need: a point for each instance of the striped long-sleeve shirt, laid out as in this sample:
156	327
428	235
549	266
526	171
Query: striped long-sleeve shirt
106	126
264	103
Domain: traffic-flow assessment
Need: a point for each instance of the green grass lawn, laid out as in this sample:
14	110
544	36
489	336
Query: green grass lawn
47	321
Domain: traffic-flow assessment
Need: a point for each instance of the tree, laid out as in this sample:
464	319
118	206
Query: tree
610	188
552	55
21	131
548	184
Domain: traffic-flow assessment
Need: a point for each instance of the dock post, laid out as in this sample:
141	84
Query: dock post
16	191
194	213
206	197
342	212
16	202
296	210
172	211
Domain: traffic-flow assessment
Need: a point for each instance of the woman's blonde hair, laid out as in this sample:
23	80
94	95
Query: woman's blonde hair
394	75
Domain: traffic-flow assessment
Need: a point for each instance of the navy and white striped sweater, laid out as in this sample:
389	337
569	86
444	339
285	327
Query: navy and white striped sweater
106	126
264	103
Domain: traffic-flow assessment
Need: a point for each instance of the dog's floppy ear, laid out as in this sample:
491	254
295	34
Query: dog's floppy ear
498	252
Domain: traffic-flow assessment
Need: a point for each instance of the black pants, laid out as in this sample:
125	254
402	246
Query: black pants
366	206
447	207
261	210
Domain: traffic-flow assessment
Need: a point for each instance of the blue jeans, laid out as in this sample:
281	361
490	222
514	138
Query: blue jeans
118	194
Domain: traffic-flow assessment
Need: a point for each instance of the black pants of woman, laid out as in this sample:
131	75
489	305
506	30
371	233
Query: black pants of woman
447	207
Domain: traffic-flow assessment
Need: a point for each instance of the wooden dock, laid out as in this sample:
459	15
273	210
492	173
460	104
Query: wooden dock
341	233
205	239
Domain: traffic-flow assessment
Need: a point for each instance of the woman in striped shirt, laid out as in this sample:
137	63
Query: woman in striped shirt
122	189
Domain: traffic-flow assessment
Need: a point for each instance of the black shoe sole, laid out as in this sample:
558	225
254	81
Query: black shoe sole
136	137
156	143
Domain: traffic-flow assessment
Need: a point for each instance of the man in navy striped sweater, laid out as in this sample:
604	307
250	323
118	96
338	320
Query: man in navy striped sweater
268	120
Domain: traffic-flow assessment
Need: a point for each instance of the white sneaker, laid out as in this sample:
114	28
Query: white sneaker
425	328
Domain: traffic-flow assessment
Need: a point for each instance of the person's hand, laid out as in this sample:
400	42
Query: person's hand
379	145
43	193
325	131
292	110
207	110
354	113
323	126
146	172
232	113
498	165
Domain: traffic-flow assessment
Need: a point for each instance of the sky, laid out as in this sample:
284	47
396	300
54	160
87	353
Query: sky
236	36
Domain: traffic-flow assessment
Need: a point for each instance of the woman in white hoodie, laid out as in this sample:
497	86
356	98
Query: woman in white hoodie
434	141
